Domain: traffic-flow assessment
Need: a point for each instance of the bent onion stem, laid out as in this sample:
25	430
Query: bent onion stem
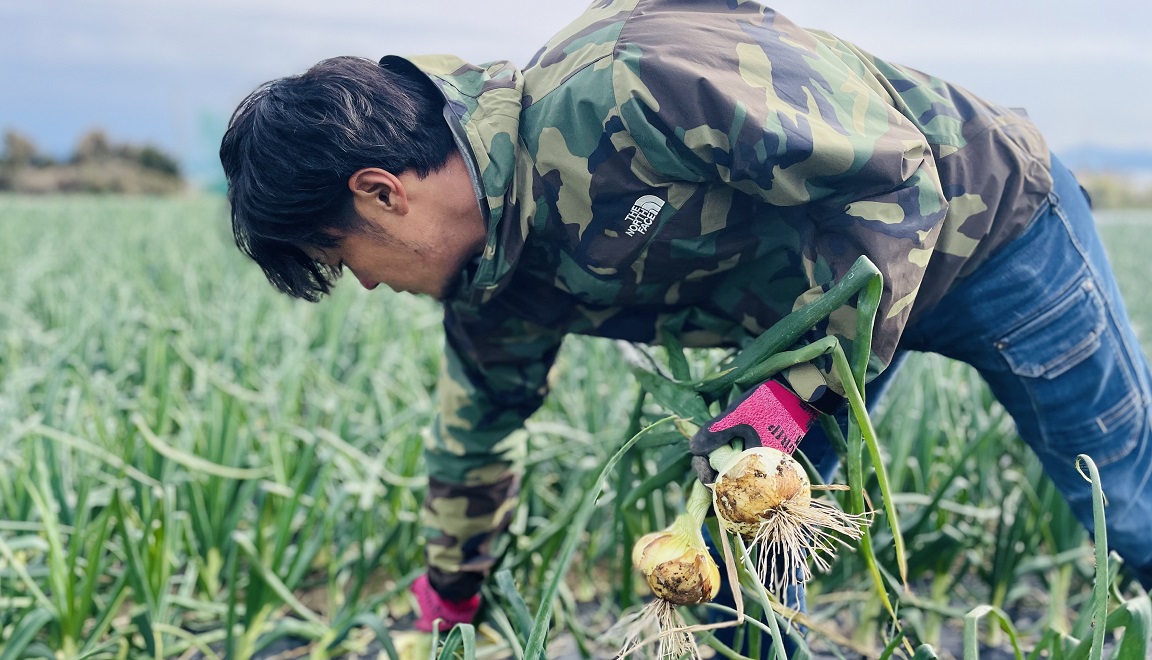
722	457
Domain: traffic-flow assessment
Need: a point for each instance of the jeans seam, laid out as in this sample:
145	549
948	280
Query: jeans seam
1116	414
1106	301
1147	473
1002	252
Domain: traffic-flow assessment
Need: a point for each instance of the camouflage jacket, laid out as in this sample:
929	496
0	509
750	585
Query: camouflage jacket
705	167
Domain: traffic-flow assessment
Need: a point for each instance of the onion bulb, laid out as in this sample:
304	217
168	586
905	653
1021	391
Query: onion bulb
765	496
760	481
676	569
676	564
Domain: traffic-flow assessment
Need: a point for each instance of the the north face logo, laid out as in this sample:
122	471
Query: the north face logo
643	214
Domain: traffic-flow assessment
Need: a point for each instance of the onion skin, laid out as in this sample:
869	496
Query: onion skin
764	495
676	571
641	546
686	581
761	480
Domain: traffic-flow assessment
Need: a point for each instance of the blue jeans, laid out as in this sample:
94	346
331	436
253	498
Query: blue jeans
1043	323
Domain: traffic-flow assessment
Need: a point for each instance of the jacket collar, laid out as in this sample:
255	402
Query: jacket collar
482	107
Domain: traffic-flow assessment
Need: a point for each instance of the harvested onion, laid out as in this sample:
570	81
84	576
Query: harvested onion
765	496
678	568
761	480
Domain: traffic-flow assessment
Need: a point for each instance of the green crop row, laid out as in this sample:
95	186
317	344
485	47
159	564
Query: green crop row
192	465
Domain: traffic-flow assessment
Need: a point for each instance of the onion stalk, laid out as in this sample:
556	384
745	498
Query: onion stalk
765	496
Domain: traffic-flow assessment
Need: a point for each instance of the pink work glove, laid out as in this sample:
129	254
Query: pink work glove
433	607
769	415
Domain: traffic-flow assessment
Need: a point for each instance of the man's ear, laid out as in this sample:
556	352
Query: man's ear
376	190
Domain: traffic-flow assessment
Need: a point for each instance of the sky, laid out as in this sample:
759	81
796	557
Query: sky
169	72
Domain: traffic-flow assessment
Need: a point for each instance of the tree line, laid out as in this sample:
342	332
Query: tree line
96	165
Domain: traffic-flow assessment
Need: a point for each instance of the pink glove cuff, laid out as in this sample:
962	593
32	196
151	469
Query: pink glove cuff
433	607
777	415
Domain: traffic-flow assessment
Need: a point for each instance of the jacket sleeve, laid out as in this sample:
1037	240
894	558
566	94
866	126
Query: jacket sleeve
495	375
776	115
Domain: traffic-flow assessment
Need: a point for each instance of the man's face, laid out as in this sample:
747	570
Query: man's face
421	231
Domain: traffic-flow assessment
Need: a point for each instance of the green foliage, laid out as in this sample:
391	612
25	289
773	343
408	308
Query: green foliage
193	465
1116	191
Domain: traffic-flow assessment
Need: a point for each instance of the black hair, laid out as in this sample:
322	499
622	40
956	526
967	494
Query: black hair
292	145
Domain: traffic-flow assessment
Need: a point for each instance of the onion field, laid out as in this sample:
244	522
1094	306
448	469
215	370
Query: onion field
195	466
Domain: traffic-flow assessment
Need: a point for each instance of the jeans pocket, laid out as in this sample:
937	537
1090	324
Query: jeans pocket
1072	363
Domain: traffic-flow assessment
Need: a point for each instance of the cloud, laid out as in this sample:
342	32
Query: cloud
256	35
206	54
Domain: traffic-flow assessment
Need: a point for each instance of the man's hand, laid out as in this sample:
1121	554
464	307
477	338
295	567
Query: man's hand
433	607
769	415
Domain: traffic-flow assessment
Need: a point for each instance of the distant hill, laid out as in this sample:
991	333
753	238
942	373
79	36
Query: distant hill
97	165
1115	178
1088	158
